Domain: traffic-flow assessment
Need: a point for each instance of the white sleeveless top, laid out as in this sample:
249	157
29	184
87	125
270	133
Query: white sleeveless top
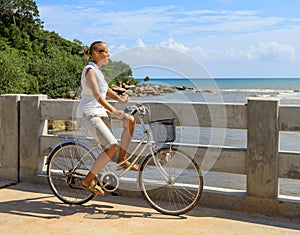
88	104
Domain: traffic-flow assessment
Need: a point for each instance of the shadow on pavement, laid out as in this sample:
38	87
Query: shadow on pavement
48	207
45	208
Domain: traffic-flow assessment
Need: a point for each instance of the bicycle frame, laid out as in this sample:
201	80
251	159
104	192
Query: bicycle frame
146	139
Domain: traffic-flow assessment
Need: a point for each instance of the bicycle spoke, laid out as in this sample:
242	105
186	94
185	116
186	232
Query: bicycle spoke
183	189
68	164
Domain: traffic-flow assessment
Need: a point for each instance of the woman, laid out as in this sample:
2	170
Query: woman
94	113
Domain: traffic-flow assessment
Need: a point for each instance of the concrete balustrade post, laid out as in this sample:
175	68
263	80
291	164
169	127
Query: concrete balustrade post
9	138
31	128
262	150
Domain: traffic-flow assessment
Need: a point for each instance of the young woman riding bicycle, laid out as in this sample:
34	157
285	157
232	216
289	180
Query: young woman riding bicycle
94	113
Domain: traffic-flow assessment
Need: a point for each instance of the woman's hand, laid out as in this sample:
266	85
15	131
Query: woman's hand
118	114
124	98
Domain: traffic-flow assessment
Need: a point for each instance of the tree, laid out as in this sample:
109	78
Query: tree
22	13
14	77
118	72
33	60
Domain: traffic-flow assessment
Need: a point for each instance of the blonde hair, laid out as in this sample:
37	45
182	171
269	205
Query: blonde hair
95	46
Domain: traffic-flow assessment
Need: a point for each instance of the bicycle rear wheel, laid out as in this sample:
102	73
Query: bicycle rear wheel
179	190
68	164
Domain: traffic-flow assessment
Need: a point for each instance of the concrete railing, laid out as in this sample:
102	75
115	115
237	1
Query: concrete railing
24	141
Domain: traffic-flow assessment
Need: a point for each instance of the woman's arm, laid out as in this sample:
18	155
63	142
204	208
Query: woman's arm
113	95
93	85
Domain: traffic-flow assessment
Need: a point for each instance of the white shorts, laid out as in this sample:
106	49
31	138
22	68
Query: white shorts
99	128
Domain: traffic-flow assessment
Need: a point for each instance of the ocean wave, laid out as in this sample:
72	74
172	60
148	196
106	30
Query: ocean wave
291	97
247	91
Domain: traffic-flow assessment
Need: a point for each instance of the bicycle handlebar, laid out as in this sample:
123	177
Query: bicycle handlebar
131	110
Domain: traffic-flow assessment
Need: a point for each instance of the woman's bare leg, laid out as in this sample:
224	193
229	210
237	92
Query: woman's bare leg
100	162
126	138
103	159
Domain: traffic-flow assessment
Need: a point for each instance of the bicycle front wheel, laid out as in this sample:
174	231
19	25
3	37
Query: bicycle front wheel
68	164
174	187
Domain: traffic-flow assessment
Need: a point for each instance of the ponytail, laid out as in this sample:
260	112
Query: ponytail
94	46
87	53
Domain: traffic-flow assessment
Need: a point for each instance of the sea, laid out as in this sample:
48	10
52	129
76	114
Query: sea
228	90
232	90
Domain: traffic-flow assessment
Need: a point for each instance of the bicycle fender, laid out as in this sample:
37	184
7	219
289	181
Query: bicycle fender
65	142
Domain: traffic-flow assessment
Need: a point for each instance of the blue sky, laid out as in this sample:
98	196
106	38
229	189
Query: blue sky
230	38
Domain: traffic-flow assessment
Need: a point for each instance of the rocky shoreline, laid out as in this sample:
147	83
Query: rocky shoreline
144	89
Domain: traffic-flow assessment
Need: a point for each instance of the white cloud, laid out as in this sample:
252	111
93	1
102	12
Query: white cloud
155	22
163	59
264	52
210	36
268	52
170	43
140	43
271	59
273	51
122	47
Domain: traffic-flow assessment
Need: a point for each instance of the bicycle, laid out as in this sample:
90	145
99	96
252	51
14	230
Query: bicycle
170	180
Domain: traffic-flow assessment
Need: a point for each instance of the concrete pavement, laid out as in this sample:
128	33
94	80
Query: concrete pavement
32	209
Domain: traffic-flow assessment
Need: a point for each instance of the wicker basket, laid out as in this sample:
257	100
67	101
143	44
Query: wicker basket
163	131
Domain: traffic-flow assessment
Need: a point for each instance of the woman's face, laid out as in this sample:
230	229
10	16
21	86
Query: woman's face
101	56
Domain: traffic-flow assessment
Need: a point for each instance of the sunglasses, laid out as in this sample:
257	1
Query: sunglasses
100	51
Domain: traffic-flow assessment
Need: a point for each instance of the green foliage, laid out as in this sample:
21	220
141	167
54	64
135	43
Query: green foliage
22	13
58	76
33	60
118	72
14	76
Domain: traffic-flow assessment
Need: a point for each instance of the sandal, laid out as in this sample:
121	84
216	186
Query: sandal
127	165
96	189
